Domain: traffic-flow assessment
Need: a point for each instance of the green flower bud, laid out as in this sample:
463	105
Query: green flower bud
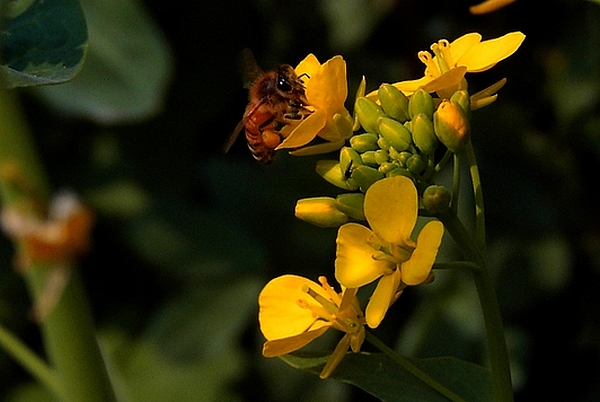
364	142
330	170
462	99
381	156
368	158
320	211
401	172
436	199
402	157
395	133
351	204
423	134
420	102
383	143
415	164
393	102
360	92
451	126
368	112
387	167
364	176
349	159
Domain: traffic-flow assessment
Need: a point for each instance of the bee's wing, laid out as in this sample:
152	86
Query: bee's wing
234	135
250	68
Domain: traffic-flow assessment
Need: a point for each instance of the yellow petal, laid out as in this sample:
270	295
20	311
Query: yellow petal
416	270
408	87
382	297
354	265
336	357
306	131
284	346
462	45
327	88
307	67
279	314
319	149
449	79
487	53
391	207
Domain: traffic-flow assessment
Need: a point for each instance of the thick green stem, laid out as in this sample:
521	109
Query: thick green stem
411	368
68	331
494	330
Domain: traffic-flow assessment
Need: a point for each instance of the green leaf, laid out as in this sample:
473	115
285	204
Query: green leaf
43	42
127	68
378	375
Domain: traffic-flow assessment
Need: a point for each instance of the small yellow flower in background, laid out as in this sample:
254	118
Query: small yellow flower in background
387	251
326	92
445	70
294	311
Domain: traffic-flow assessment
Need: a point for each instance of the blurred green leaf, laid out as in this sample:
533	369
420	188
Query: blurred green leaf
206	319
380	376
42	42
184	240
127	68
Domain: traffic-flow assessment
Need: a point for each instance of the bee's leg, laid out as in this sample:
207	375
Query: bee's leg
271	138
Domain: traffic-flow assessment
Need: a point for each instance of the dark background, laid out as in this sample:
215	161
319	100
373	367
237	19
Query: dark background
186	236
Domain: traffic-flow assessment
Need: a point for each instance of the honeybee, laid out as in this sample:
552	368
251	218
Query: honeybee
276	98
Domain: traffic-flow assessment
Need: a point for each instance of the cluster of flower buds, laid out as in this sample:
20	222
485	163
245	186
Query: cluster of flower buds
401	135
400	138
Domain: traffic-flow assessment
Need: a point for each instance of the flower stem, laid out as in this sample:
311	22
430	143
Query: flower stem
67	331
411	368
499	362
477	192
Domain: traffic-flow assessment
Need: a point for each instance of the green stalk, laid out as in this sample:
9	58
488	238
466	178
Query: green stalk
478	193
68	331
496	343
411	368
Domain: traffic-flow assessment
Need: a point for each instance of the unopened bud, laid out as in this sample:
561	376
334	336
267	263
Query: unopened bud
401	172
423	134
330	170
451	126
368	113
320	211
364	142
420	102
415	164
351	204
349	159
436	199
395	133
368	158
393	102
365	176
462	99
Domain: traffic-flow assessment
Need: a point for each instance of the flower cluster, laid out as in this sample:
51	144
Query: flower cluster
409	130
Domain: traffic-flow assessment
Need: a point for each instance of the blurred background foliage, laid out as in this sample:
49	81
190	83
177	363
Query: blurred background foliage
186	237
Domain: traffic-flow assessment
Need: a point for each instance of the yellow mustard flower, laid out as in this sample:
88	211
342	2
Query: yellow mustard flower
445	70
387	251
326	92
294	311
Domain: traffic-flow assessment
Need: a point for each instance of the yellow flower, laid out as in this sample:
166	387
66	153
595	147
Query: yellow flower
294	311
387	252
467	54
326	92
